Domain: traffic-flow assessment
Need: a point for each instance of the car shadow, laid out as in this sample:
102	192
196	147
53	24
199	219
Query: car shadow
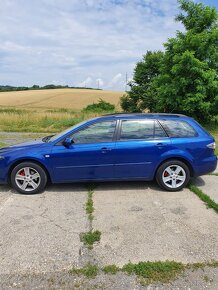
198	181
83	187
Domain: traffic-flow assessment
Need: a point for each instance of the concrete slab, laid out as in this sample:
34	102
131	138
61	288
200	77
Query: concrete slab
209	185
40	233
139	222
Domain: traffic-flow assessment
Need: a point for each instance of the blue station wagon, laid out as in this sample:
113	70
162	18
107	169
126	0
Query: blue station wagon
167	147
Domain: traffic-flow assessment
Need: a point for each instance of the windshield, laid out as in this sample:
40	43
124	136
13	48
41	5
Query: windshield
56	137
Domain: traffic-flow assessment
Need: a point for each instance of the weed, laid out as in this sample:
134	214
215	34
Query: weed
90	271
91	237
89	205
110	269
204	197
155	271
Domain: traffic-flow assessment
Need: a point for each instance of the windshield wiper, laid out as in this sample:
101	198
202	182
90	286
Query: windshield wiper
47	138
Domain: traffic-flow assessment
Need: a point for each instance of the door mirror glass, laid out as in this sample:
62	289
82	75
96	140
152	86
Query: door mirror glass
67	142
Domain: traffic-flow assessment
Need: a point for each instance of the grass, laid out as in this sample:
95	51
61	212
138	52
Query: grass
204	197
90	238
90	271
155	271
214	132
41	120
111	269
89	205
147	272
214	174
2	144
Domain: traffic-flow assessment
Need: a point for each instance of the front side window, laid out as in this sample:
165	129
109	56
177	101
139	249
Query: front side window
96	133
176	128
140	130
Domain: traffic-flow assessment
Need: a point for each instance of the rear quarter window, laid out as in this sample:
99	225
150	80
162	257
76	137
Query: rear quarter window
179	129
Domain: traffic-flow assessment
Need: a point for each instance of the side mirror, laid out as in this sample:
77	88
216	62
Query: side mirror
67	142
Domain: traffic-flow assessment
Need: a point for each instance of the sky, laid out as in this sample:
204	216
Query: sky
87	43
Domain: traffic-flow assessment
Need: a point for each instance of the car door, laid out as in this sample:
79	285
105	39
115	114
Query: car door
139	148
89	157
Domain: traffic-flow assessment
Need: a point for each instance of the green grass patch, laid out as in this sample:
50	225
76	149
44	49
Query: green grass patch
60	110
147	272
13	111
111	269
90	271
90	238
89	205
204	197
155	271
213	174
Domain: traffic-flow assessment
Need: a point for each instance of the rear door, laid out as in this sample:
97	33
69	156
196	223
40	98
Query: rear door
139	146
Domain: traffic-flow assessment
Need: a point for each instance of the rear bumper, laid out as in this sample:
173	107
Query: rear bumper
205	166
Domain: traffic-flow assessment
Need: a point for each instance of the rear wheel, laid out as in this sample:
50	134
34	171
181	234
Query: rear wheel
29	178
173	175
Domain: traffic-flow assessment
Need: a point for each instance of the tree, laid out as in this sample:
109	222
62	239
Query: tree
187	81
140	96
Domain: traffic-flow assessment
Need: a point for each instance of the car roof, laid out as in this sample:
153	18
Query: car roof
143	115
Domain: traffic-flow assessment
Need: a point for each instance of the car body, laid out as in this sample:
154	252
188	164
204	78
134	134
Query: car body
169	147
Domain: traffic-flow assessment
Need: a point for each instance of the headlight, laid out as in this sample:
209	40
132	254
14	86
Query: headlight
2	157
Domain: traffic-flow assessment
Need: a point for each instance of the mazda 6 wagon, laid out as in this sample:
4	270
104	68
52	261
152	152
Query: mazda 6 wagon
167	147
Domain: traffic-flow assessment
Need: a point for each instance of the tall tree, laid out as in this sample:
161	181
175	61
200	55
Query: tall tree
141	95
187	74
188	82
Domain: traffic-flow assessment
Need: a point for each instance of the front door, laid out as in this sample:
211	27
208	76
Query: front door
90	157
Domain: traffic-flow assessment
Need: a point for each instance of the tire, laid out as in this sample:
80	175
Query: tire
173	175
28	178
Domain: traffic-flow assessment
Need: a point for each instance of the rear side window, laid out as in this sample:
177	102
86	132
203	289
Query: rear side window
140	130
176	128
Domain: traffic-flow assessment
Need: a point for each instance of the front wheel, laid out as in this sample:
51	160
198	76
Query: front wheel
28	178
173	175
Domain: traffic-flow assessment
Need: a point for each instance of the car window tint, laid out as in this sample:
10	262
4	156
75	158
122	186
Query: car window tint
178	128
96	133
138	129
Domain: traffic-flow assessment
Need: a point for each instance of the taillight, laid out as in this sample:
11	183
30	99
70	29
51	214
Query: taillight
212	145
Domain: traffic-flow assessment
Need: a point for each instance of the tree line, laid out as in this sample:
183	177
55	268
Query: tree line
36	87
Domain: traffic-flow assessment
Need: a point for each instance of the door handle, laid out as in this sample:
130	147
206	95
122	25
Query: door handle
105	149
161	145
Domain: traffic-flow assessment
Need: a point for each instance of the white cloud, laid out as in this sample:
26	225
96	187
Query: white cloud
88	82
117	79
44	40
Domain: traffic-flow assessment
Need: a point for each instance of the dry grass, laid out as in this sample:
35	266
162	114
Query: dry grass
75	99
40	120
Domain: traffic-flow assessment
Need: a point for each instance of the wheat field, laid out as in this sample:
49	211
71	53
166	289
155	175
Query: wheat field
75	99
49	110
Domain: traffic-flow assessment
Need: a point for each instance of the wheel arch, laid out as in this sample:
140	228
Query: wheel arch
12	166
179	159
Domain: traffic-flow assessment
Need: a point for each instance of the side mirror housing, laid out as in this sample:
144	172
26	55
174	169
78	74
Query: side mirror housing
67	142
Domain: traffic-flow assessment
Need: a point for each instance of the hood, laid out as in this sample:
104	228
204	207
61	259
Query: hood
29	144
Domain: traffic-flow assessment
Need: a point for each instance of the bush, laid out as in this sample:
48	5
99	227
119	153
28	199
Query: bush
101	106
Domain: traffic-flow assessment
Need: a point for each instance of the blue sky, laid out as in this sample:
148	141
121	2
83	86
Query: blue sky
81	42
